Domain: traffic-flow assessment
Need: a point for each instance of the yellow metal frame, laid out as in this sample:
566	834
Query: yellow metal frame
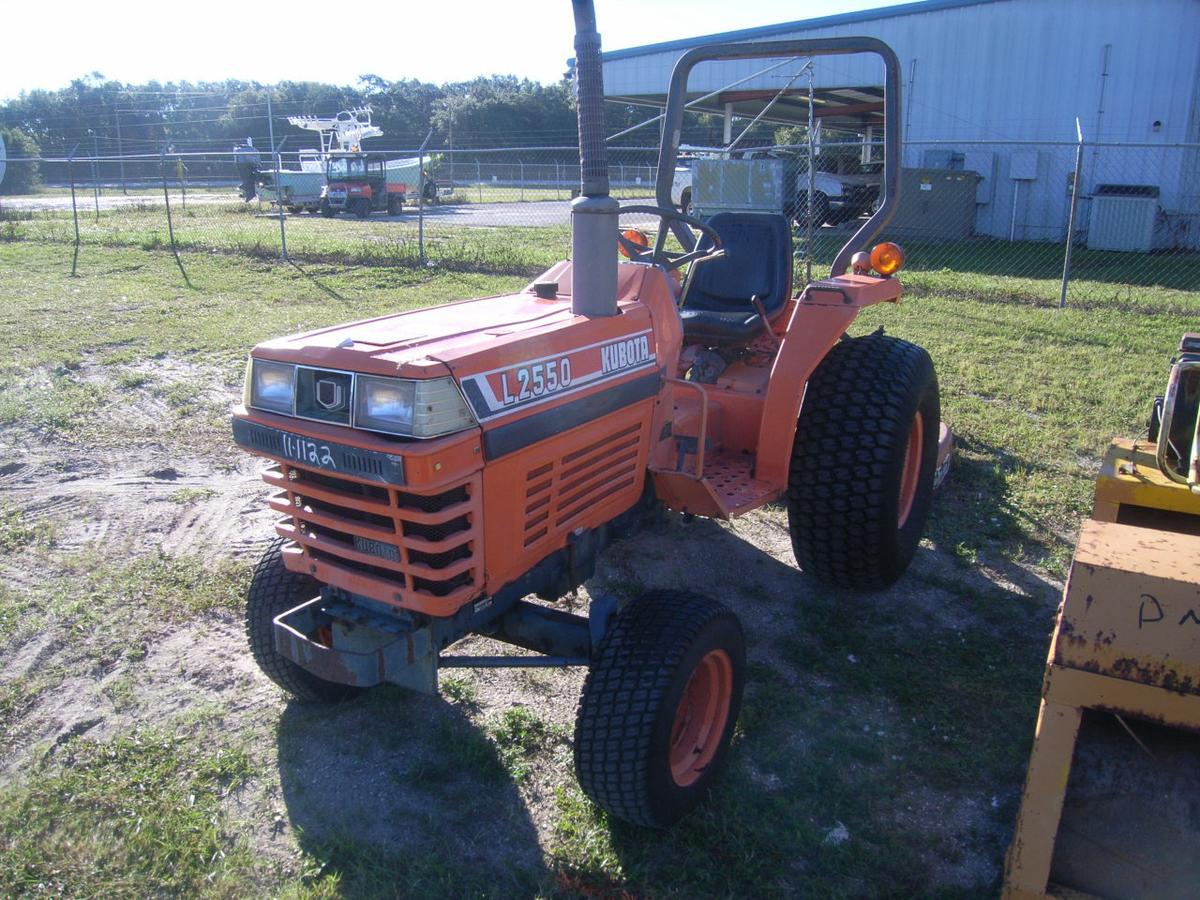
1111	649
1129	476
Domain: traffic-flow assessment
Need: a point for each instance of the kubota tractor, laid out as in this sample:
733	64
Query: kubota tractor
435	468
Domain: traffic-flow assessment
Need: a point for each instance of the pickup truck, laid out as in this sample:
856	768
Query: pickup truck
836	198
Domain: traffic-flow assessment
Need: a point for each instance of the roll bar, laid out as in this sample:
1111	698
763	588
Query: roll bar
677	98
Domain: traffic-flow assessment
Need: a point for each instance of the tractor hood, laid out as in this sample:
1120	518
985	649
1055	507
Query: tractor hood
455	338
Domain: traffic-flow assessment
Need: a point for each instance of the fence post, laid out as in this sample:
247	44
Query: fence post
279	205
74	210
421	196
95	175
521	170
181	171
162	171
1066	275
557	181
812	162
479	178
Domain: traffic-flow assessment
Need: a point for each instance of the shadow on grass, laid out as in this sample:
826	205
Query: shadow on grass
880	748
397	794
879	751
975	515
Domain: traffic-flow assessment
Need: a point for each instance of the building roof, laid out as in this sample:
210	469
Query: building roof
763	31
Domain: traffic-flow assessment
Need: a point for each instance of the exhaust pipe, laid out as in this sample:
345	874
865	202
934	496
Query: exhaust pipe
593	212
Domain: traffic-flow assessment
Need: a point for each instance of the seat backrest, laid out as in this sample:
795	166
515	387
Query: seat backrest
757	260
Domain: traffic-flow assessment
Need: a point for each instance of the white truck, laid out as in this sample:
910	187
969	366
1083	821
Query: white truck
836	198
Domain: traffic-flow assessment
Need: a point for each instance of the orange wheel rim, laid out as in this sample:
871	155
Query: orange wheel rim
700	717
911	473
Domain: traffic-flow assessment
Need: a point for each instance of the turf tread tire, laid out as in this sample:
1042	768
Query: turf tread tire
642	666
848	457
275	589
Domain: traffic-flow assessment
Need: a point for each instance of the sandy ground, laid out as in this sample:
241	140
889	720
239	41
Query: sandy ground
363	770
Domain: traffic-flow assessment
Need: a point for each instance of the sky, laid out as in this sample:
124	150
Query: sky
134	41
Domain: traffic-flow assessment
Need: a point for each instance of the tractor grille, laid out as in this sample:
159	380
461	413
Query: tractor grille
560	492
420	551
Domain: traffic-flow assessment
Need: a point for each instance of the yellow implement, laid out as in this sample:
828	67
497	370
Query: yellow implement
1126	650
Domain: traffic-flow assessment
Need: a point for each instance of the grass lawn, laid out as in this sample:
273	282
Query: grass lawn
883	738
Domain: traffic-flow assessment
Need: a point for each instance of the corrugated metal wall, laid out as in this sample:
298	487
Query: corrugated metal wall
1019	70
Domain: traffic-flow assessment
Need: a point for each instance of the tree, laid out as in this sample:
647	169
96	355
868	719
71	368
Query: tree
22	174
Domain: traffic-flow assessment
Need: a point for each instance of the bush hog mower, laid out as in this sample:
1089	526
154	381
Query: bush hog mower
435	468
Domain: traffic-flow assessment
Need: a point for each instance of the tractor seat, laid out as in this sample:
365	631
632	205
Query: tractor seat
758	261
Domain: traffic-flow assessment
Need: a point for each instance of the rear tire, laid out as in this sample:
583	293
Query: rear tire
275	589
863	461
659	705
685	202
820	206
394	205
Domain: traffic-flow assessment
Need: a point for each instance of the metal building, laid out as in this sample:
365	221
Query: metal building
993	86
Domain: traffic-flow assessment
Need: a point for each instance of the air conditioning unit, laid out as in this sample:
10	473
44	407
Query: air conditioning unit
1123	217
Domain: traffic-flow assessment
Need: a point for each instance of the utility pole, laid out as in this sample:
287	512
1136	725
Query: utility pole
278	169
270	122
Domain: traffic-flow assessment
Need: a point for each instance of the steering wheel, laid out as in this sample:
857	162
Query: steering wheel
659	255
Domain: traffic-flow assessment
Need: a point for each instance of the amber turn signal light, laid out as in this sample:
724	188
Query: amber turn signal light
887	258
633	235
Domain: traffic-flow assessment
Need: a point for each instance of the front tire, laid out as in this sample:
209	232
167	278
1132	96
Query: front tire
659	705
861	478
275	589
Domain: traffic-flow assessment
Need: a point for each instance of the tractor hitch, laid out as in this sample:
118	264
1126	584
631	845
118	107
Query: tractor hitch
349	644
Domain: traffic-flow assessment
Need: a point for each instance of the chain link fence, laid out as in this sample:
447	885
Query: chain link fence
981	219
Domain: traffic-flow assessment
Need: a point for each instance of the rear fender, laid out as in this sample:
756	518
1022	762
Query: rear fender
819	319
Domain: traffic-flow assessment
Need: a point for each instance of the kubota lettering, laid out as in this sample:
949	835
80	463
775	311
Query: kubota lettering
624	354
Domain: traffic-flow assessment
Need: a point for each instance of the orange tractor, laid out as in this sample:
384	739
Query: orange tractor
435	468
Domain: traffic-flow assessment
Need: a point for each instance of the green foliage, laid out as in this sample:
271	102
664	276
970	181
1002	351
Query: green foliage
20	176
135	817
17	532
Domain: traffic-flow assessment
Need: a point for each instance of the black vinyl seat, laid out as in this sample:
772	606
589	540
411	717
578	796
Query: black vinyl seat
757	262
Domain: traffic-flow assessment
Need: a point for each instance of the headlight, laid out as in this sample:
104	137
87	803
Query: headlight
385	404
420	409
272	386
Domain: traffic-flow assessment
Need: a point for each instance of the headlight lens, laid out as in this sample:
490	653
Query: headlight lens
420	409
385	404
272	386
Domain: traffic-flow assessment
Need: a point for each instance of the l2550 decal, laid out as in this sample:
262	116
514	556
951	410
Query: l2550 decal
522	385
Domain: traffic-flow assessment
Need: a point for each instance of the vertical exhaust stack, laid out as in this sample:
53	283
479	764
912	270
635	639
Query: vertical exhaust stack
593	212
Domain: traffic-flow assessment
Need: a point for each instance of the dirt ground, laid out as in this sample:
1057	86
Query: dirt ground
413	773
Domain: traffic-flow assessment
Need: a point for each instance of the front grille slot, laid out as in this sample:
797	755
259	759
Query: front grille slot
439	560
346	512
432	503
440	588
341	485
439	532
393	545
